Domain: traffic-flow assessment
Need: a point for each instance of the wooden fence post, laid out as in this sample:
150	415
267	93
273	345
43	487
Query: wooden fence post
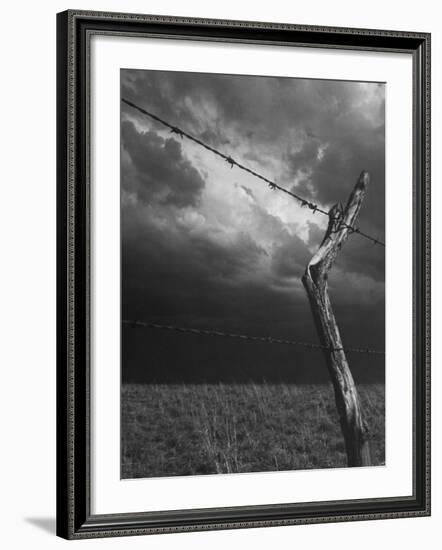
341	222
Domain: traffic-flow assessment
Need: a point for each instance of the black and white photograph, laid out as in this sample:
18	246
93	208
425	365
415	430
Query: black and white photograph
252	274
219	284
243	276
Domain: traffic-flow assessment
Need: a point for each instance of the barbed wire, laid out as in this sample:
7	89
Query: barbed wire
247	337
272	185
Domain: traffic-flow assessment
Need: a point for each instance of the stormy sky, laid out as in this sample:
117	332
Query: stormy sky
209	246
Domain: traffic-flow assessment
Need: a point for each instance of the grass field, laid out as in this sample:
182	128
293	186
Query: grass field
195	429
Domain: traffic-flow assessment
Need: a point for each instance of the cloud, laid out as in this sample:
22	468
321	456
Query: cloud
155	169
289	259
192	278
316	136
200	248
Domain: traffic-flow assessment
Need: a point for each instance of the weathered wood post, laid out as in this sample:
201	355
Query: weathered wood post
341	222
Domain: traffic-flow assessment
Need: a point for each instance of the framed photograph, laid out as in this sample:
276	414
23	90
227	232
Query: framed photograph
243	274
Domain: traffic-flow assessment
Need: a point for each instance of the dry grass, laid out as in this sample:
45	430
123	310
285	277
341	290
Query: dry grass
195	429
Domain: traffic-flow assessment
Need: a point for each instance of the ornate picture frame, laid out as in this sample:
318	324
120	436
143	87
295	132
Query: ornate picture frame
76	518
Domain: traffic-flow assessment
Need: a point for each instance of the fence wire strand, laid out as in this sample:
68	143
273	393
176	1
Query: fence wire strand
232	162
247	337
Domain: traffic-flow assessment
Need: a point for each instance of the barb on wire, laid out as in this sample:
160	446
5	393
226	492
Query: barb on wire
272	185
247	337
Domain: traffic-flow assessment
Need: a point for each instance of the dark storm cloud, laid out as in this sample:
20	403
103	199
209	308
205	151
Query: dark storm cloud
290	258
192	278
189	280
321	132
189	260
368	260
158	171
329	176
